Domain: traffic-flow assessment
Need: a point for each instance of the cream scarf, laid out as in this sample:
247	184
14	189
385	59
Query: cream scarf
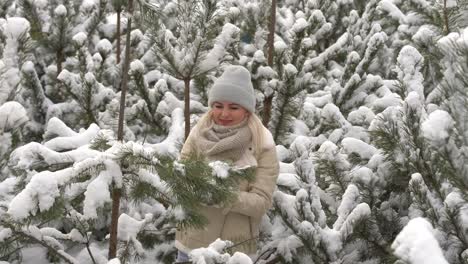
226	143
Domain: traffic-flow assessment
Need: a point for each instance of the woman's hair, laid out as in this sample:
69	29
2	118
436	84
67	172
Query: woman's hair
254	123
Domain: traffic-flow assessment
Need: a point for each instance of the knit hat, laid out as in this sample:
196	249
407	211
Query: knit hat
234	85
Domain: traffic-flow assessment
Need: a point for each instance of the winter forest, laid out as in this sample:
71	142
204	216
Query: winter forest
367	102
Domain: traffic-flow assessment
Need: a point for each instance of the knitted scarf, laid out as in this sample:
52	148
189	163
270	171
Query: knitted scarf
225	143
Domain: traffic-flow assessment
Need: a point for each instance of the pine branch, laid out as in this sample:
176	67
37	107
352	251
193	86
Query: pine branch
31	14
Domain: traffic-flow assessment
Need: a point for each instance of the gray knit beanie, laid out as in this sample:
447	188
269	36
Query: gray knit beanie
234	85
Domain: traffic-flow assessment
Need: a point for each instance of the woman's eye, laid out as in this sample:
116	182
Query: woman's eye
218	106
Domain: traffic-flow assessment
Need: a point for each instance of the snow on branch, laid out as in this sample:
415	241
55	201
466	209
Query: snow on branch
416	244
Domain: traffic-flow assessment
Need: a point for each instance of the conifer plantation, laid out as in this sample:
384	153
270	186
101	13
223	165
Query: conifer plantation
367	102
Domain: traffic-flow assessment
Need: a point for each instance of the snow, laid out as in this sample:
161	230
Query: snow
72	141
349	202
137	66
104	46
410	62
280	46
213	251
128	227
218	52
290	69
220	169
326	128
416	243
353	145
332	239
282	153
437	127
392	10
289	180
5	233
60	10
361	116
332	114
80	38
97	194
15	27
40	194
239	258
300	25
13	115
360	212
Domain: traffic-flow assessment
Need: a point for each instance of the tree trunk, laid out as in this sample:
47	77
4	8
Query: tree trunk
119	11
187	106
267	103
116	192
447	29
59	55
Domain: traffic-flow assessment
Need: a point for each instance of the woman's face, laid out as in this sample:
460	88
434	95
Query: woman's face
227	113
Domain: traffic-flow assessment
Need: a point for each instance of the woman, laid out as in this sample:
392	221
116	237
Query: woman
231	131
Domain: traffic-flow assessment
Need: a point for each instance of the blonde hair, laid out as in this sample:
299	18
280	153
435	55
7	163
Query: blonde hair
254	123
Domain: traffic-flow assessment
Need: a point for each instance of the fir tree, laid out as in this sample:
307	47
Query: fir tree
190	44
85	173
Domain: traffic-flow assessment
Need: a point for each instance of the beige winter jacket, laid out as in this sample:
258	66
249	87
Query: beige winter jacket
240	221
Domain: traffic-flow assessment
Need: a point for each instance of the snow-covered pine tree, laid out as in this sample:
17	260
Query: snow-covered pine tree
61	195
348	88
189	40
430	155
13	117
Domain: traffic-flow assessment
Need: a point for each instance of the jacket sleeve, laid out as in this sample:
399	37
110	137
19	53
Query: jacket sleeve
258	199
188	147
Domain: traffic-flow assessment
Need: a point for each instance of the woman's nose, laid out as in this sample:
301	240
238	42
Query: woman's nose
225	112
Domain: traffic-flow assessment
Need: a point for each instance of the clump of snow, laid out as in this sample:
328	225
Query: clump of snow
28	67
80	38
220	169
349	202
416	243
332	115
283	153
290	69
425	34
332	239
12	115
60	10
5	233
289	180
410	62
363	175
259	56
15	27
394	12
353	145
97	192
437	127
129	227
300	25
280	46
239	258
56	126
179	168
104	46
39	193
212	252
137	66
72	141
361	116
